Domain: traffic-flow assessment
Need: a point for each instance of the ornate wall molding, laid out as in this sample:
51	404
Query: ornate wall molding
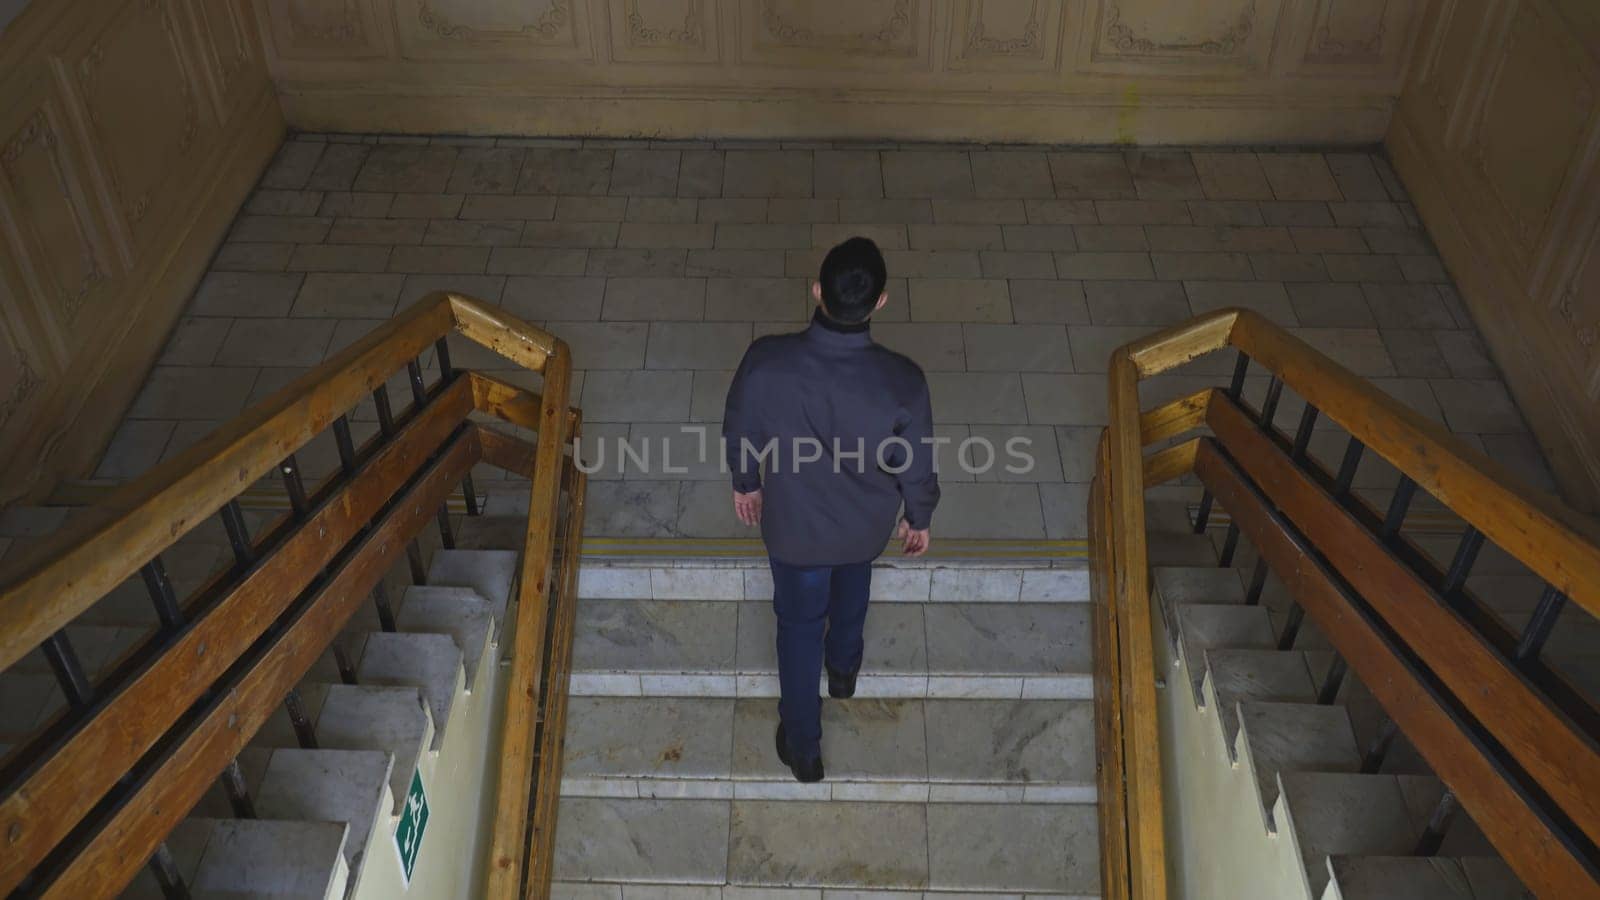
688	32
1128	40
888	35
550	24
51	196
1029	42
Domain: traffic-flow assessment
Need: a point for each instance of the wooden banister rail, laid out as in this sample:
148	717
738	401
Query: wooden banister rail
1543	769
71	823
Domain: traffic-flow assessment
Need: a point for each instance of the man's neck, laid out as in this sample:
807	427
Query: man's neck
826	321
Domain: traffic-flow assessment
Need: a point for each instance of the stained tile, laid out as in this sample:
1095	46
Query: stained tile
645	173
1007	638
1164	174
853	175
1299	176
277	342
1041	848
927	173
1011	173
642	840
637	396
631	508
1048	301
828	844
339	296
566	172
407	168
1232	176
554	298
654	636
662	737
1010	740
1100	176
1018	348
767	173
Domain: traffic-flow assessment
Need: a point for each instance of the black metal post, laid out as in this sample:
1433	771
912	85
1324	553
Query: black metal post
1269	406
238	533
1551	602
1398	506
238	791
442	347
168	878
1438	824
470	494
1258	581
380	399
341	659
380	598
68	669
447	537
1461	566
419	571
1230	543
1203	514
304	731
347	446
1333	681
162	595
1379	748
1302	434
419	390
1291	626
294	486
1240	367
1347	467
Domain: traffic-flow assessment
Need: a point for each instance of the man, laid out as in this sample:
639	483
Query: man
845	429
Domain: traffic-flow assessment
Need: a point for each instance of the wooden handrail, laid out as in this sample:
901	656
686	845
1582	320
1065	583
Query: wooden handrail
176	698
51	586
1552	541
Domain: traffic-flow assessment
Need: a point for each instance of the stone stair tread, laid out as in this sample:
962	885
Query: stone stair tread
1203	627
370	717
1256	675
1180	549
491	573
491	532
1340	814
1396	878
349	786
1197	584
1285	738
461	613
430	662
1000	847
250	858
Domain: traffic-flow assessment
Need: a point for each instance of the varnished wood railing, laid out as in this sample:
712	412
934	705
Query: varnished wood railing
90	800
1513	741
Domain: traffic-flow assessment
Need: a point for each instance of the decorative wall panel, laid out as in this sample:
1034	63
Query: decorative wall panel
324	29
130	132
1201	33
1497	136
1351	36
492	29
861	34
664	31
144	109
1006	35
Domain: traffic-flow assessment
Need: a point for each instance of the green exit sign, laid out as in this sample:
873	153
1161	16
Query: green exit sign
413	824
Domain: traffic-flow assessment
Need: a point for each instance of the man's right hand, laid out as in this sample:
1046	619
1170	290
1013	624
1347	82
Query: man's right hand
747	507
915	542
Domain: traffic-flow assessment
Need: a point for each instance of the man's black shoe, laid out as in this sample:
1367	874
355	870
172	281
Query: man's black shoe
807	772
840	685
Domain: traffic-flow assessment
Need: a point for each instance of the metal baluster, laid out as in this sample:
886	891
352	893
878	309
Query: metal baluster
68	669
419	572
1347	467
1302	435
1230	543
294	486
238	533
447	537
470	494
380	598
238	791
168	878
442	346
1258	581
1269	406
1461	566
1202	514
380	399
419	391
1373	760
1551	602
1333	681
1291	626
1438	824
304	731
1240	367
347	446
161	593
341	660
1398	506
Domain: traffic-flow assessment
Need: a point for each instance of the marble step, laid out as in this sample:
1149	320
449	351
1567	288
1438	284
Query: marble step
255	858
600	890
893	581
393	720
1422	878
1284	738
1238	676
348	786
430	663
714	648
461	613
981	847
1201	628
492	573
1002	750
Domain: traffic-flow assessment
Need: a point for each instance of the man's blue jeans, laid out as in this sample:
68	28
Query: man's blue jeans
821	611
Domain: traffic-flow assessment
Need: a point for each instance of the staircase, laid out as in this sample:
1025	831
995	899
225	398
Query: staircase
1278	773
321	821
965	763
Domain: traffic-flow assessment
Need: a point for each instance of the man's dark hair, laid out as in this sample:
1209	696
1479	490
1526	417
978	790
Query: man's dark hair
853	276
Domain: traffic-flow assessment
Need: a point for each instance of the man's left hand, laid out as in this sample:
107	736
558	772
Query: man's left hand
748	507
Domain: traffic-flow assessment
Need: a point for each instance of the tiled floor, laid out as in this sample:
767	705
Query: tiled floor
1015	272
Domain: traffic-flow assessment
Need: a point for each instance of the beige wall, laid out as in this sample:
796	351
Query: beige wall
1498	137
130	131
1080	71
